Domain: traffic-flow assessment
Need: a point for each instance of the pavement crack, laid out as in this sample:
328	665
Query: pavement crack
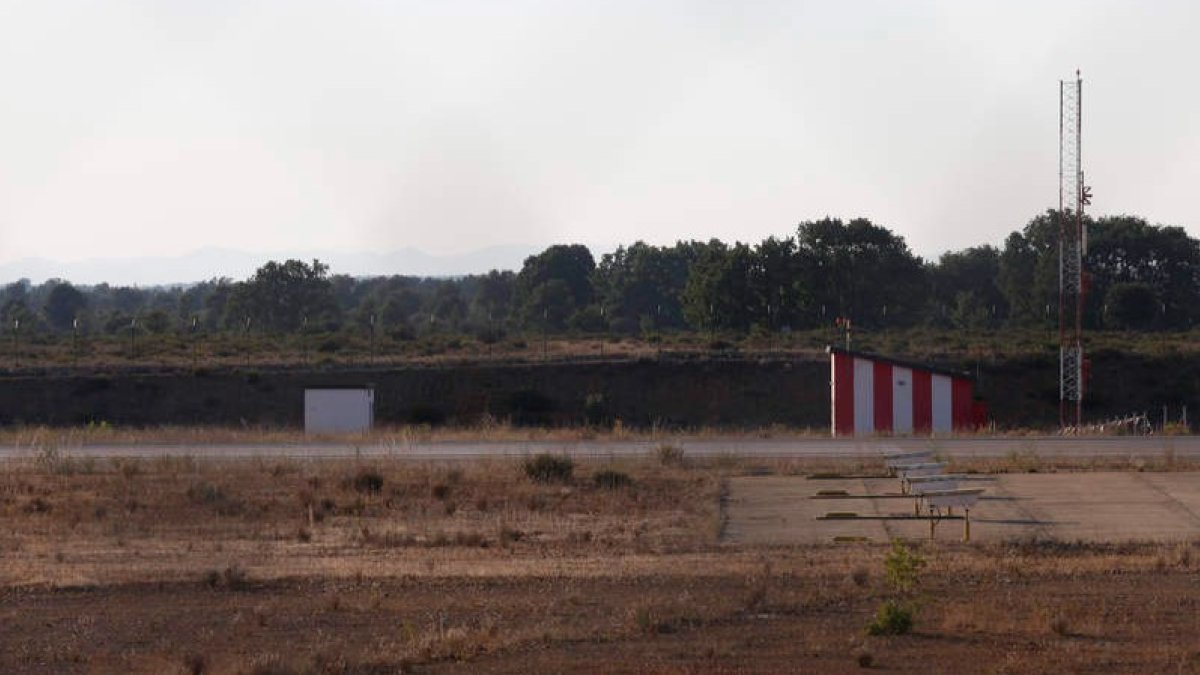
1172	500
887	527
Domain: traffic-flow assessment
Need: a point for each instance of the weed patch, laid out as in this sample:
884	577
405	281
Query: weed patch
547	468
611	480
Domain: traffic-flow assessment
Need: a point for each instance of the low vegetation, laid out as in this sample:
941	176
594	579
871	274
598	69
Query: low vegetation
902	570
196	565
547	468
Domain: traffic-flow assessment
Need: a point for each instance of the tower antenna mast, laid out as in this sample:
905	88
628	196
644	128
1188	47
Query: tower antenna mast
1073	195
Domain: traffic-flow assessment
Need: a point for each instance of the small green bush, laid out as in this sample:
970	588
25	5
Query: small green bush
893	618
611	480
902	567
547	468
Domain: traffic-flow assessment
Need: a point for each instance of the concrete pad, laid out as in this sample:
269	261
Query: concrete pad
1098	507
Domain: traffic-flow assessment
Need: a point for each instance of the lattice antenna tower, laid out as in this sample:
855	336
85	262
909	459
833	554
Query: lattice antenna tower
1073	195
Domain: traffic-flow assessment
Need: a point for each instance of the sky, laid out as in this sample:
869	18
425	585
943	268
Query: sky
161	127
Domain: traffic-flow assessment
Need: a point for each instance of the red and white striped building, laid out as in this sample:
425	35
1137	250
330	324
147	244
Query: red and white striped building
873	394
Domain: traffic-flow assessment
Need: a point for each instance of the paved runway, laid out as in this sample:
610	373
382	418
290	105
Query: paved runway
1046	447
1096	507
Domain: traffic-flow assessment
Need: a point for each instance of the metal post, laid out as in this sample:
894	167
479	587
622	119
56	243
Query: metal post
16	344
770	335
133	339
712	324
966	524
304	339
195	353
75	342
658	330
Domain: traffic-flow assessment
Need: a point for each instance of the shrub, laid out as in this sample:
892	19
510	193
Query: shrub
1058	624
51	460
669	455
232	578
611	480
368	481
893	618
547	468
195	664
203	492
860	576
902	567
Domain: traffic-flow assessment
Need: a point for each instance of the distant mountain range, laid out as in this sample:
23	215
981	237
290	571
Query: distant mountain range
208	263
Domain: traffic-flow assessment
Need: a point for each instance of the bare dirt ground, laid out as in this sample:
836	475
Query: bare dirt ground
177	565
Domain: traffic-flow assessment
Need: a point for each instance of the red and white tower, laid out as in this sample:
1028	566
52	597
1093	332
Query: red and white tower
1073	195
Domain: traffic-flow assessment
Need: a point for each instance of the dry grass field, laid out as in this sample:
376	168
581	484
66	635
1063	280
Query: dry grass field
182	565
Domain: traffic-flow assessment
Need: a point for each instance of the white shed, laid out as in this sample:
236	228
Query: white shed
338	411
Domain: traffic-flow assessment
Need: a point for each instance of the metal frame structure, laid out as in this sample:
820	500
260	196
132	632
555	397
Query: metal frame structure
1073	195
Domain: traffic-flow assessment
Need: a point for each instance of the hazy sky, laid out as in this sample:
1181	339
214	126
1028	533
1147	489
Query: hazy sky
158	127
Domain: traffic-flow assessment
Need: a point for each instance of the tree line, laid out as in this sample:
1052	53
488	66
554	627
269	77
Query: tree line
1139	277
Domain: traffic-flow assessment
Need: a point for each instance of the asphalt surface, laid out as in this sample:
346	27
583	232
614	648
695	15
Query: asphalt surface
1071	507
1146	447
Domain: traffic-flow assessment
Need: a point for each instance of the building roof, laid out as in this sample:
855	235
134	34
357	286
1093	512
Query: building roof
962	374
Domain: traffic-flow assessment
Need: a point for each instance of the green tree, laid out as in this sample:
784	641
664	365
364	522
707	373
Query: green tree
778	294
1029	270
553	285
643	282
280	295
63	305
1130	305
216	302
14	306
1125	250
861	270
719	293
156	321
964	286
492	301
448	305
